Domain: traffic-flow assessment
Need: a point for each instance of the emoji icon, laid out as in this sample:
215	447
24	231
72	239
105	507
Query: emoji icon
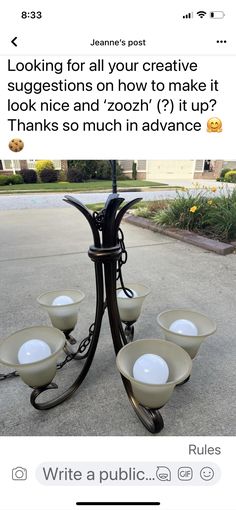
207	473
16	145
163	474
214	125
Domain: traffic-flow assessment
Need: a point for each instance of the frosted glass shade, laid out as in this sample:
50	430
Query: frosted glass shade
40	373
191	344
178	361
63	317
130	308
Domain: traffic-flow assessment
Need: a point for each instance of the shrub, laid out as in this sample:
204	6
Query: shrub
92	169
104	170
142	211
61	175
29	176
134	171
16	179
91	166
75	175
222	174
157	205
150	209
207	214
4	180
48	175
185	212
79	170
220	219
44	164
230	176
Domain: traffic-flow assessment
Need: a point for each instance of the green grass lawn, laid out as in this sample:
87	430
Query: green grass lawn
80	186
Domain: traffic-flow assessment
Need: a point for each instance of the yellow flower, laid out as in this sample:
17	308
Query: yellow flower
193	209
209	202
213	189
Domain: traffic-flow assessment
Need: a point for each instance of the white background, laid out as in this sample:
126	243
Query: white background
69	32
123	145
30	452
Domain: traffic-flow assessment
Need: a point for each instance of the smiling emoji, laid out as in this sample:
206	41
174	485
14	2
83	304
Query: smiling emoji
207	473
214	125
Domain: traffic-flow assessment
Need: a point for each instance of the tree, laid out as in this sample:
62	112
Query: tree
134	170
81	166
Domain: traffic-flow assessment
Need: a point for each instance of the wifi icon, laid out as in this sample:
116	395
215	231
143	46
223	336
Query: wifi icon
201	14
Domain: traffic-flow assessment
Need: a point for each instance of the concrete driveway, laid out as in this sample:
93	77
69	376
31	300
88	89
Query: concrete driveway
43	249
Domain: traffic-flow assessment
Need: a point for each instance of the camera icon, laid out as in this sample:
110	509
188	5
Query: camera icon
19	474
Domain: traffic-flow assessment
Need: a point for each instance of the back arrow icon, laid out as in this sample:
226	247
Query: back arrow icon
13	41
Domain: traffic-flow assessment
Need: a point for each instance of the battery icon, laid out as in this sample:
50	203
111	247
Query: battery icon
217	14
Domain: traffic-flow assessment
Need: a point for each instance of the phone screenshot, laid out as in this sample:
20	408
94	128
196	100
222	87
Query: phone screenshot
117	255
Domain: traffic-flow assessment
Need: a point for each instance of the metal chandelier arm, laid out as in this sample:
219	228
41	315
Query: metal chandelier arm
151	418
88	360
124	209
86	212
118	336
109	231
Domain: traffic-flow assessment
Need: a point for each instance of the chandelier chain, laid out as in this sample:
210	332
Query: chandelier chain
69	357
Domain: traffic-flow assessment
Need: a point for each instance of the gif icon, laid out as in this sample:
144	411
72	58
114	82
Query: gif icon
19	474
185	473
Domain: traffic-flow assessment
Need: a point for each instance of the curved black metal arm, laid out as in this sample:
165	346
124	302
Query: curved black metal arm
151	418
97	326
124	209
86	212
109	233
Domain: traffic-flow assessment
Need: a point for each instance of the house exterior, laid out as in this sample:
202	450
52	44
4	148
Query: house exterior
151	170
14	165
159	170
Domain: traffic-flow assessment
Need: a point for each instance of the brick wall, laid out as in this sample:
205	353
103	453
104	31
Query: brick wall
216	167
127	167
64	165
141	175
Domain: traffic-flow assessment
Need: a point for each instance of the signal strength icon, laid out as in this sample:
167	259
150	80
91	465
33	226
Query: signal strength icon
201	14
188	16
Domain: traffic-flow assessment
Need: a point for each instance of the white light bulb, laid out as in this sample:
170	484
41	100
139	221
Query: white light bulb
33	350
151	369
184	327
62	300
122	294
